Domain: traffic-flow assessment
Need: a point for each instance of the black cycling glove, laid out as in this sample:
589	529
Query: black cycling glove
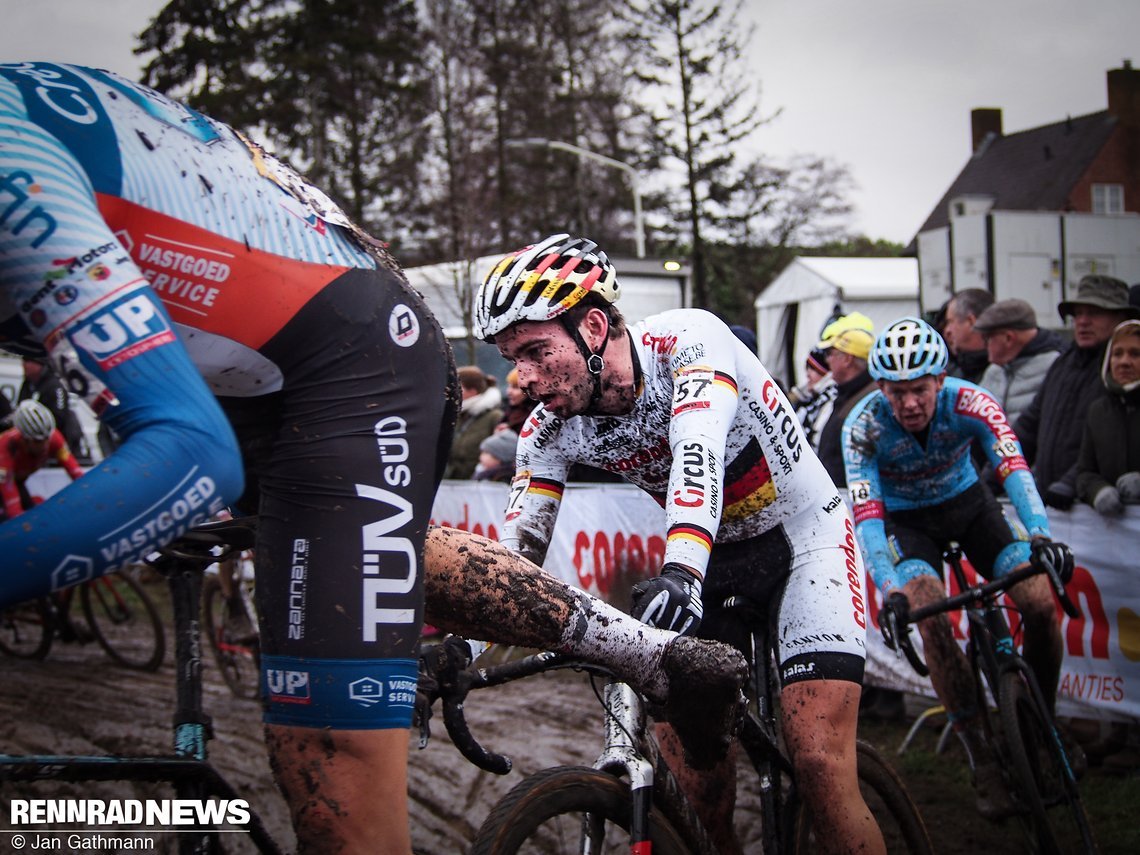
1045	553
670	601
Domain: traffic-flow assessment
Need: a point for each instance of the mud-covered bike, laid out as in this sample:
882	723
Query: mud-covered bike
118	613
1020	726
237	654
629	800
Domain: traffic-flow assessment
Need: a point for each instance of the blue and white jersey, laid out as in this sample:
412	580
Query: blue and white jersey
888	469
151	253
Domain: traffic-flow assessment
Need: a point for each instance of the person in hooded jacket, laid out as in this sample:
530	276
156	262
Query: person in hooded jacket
1108	468
1050	427
478	415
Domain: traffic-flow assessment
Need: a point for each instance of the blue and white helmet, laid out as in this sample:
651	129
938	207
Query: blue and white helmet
907	349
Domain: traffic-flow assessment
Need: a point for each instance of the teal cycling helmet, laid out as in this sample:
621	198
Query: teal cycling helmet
907	349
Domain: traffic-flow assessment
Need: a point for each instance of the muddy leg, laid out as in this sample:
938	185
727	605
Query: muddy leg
347	790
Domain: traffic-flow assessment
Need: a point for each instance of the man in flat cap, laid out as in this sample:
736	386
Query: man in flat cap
1019	352
1050	427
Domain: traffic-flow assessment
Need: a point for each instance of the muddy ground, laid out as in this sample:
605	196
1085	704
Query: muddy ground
77	701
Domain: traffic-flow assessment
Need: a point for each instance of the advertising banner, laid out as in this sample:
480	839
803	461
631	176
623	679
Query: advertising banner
609	535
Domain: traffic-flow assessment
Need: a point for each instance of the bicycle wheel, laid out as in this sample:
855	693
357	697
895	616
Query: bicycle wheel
552	810
125	621
26	630
1056	821
239	664
890	803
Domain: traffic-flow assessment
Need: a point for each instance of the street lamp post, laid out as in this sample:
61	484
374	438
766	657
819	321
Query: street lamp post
638	221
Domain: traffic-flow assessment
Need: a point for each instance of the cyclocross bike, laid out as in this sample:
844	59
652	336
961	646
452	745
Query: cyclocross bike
630	801
119	613
186	768
1020	729
238	659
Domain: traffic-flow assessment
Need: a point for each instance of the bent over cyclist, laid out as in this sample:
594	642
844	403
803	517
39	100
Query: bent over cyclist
182	280
679	407
31	442
915	489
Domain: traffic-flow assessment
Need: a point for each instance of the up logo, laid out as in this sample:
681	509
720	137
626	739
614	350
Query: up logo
290	687
113	334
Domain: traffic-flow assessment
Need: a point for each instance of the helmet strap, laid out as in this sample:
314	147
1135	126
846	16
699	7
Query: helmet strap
595	364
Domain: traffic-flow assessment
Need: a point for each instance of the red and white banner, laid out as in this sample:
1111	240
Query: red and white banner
609	533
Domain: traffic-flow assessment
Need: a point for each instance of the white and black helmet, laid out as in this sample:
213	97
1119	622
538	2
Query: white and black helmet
33	420
907	349
540	282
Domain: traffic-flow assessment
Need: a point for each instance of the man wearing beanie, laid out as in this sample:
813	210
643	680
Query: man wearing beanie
1050	428
497	456
812	400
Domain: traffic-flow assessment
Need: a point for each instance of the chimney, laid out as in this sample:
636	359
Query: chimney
983	122
1124	94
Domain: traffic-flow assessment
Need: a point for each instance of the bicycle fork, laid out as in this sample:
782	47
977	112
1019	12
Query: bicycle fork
625	716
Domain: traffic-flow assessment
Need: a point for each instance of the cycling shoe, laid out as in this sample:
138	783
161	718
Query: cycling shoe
991	795
706	703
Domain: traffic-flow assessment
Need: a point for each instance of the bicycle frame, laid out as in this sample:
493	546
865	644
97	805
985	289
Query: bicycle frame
187	768
991	641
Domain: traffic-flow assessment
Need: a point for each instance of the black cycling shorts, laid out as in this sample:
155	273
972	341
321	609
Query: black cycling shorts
342	466
973	518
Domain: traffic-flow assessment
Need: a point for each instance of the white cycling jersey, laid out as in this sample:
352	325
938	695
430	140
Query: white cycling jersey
711	437
716	442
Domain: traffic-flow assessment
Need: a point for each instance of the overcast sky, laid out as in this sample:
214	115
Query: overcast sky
883	86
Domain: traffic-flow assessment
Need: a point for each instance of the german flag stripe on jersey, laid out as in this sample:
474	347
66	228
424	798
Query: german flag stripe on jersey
547	488
748	485
726	381
694	533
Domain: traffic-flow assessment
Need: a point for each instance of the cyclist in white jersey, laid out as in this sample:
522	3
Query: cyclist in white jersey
678	406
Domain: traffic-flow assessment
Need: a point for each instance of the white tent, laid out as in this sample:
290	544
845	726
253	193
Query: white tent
793	310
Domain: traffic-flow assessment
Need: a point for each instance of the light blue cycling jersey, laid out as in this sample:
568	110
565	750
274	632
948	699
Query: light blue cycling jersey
888	469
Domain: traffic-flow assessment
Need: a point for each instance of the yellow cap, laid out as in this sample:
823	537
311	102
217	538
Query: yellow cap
853	334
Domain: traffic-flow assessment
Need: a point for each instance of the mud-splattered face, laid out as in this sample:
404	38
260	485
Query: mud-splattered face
913	401
551	368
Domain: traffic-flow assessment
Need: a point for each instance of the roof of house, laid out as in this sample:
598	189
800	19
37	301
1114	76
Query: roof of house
1031	170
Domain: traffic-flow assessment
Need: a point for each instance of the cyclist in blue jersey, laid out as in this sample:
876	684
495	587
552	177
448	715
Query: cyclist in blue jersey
250	344
914	489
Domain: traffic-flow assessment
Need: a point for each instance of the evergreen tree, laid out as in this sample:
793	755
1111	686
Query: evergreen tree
693	53
338	86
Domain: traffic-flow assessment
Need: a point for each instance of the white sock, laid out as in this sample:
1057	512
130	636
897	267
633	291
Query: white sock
601	633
